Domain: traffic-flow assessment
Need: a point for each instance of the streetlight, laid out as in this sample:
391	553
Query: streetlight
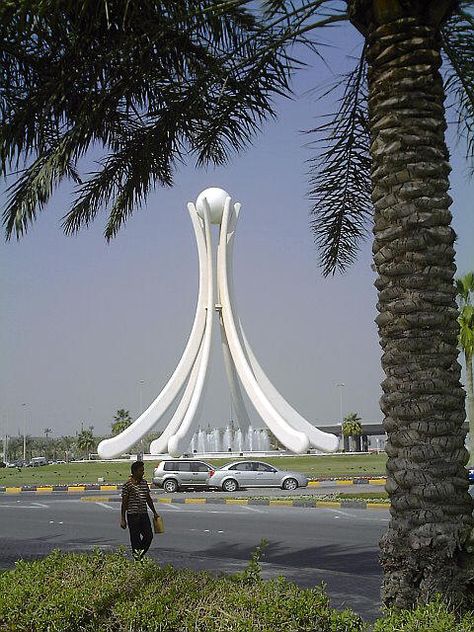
5	440
340	386
140	402
140	396
24	429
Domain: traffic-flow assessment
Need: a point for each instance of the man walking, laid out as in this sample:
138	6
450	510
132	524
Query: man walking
135	498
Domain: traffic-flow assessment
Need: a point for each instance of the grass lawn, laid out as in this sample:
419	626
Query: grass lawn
88	472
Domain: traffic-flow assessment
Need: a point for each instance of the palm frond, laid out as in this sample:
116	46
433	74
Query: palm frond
458	45
464	288
34	187
145	158
466	330
189	76
340	177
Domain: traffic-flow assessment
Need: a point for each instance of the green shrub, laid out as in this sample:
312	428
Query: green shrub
433	617
72	592
67	592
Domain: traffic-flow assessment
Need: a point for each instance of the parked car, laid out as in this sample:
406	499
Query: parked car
239	474
173	475
37	461
471	474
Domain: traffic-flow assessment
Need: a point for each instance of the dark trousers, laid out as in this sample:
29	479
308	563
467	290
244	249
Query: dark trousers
141	534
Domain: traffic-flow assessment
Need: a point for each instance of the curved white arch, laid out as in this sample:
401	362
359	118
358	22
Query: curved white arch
179	441
237	400
293	430
160	445
321	440
324	441
293	439
115	446
232	379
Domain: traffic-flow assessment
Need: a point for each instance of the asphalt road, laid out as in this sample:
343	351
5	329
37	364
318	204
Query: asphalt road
306	545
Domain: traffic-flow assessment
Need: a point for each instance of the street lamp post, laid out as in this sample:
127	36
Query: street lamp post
24	429
140	396
140	410
5	440
340	386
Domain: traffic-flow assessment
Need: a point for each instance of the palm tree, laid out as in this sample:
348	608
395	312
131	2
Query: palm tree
15	448
121	421
465	291
153	81
46	432
85	441
65	445
351	427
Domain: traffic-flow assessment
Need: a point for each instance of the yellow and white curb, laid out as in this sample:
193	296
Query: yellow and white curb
310	501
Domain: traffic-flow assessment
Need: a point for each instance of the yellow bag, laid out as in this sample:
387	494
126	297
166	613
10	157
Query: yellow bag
158	524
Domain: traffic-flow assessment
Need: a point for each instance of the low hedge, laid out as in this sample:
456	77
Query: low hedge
67	592
433	617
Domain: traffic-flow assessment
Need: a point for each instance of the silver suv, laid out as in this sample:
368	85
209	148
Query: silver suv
171	475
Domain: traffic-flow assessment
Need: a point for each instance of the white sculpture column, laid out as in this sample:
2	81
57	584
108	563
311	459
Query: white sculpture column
214	206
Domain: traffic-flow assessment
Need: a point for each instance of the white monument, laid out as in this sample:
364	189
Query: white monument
214	206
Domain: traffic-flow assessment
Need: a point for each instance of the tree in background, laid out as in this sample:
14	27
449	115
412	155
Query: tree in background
274	443
352	428
65	447
86	441
121	421
47	432
14	448
150	81
150	437
465	291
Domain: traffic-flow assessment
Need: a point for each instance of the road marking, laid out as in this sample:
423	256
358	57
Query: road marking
35	506
108	506
360	515
340	513
221	511
247	508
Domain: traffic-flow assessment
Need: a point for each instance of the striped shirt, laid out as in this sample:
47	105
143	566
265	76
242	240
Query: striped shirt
135	495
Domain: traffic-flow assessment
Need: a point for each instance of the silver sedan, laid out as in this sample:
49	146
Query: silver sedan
240	474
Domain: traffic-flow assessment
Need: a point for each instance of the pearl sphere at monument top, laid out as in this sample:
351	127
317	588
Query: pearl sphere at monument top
216	199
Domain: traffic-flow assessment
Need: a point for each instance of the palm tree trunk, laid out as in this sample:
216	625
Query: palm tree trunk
423	401
470	400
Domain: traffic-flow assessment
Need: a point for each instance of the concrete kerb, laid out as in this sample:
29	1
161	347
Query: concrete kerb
268	502
28	490
96	487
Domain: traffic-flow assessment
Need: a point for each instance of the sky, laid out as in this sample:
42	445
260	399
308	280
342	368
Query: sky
87	328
